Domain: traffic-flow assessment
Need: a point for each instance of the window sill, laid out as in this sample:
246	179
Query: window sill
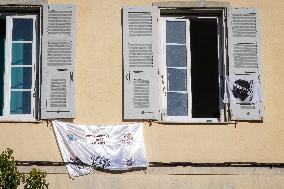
19	121
195	123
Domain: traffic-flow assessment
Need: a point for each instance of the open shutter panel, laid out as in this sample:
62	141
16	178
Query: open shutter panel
140	63
58	62
245	60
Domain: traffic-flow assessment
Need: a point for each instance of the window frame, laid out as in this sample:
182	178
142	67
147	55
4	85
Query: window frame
164	67
230	112
222	50
7	116
44	72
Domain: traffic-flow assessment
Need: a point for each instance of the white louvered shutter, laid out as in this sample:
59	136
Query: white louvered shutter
245	59
140	63
58	62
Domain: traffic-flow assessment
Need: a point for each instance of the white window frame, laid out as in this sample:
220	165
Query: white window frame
163	88
164	69
8	65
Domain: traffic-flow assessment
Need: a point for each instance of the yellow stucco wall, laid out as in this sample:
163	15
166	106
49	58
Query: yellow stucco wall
99	95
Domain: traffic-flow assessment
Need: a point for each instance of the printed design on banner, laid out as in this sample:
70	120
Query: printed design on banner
100	161
78	163
97	138
71	137
242	90
127	139
129	162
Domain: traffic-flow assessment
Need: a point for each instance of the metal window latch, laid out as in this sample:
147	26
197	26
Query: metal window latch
62	70
127	77
71	76
34	94
143	112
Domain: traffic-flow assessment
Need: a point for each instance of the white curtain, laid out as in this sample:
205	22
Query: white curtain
114	147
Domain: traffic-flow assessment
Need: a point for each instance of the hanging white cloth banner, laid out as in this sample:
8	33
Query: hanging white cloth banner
243	89
115	147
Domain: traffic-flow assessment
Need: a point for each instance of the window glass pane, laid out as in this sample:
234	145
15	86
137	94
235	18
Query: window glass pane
20	102
22	29
176	32
177	79
21	78
22	54
177	104
176	56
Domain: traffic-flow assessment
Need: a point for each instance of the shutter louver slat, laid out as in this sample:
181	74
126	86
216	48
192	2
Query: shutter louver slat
245	60
59	53
58	64
140	63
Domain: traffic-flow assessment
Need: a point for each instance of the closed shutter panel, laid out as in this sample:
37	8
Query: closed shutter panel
140	63
58	62
245	59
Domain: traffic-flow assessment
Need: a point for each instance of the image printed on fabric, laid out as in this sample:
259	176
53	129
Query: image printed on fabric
244	89
127	139
77	162
71	137
129	162
87	148
100	161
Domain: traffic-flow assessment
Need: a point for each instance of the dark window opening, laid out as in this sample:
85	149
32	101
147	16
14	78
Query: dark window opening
204	68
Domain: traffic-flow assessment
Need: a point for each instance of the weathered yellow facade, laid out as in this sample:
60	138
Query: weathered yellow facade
99	101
